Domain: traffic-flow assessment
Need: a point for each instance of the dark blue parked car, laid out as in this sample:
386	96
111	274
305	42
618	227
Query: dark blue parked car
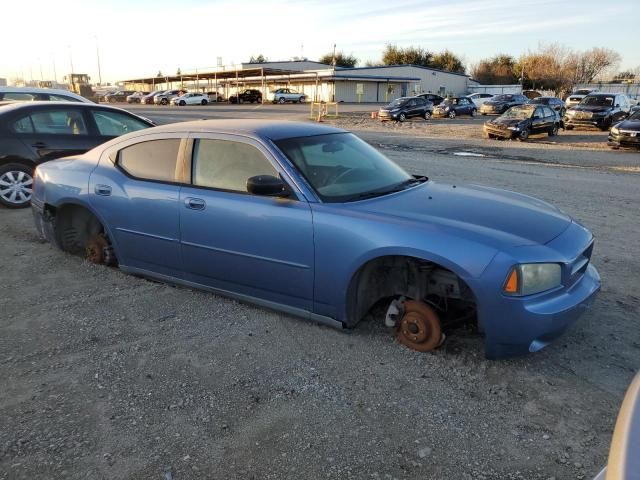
313	221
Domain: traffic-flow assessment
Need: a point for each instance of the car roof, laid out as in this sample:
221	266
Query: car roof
271	129
53	91
15	106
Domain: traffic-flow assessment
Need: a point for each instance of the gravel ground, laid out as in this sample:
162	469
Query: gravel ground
106	375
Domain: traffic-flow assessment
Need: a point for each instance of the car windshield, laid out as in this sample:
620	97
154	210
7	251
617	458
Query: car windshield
502	98
519	113
598	100
539	101
341	168
398	102
635	116
450	101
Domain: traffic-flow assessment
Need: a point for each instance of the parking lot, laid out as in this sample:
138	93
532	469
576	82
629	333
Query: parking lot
112	376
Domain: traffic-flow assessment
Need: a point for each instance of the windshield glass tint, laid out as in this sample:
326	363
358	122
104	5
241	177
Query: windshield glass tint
502	98
539	101
519	113
397	103
341	167
635	116
598	101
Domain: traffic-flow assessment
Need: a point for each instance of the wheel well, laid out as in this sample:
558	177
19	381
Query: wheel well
74	225
393	276
19	160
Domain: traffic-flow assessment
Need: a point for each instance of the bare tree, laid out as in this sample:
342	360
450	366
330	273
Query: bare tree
584	67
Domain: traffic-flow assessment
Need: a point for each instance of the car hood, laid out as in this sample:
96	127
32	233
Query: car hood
497	216
493	103
507	122
591	108
633	125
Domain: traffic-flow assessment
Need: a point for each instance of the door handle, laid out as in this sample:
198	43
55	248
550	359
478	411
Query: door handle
39	145
104	190
195	203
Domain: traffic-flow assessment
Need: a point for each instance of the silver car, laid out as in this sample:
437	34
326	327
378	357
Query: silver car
30	94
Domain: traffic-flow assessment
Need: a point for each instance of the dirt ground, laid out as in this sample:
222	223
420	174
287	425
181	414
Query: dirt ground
109	376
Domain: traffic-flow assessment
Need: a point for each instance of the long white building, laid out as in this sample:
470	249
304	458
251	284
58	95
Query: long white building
318	81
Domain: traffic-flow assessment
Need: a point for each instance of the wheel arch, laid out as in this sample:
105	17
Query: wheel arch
371	280
68	206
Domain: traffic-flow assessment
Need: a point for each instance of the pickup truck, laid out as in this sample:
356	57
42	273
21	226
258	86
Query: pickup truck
249	96
283	95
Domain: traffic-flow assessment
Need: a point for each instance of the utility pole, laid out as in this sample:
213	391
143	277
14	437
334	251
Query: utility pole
98	56
55	74
333	62
71	58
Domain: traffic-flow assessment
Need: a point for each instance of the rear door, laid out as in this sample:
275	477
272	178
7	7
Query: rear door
136	190
54	132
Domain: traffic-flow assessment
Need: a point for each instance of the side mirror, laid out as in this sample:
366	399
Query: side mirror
267	185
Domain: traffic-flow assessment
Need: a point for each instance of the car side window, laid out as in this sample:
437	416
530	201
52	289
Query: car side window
227	165
152	160
59	122
23	125
115	123
19	96
548	112
62	98
538	113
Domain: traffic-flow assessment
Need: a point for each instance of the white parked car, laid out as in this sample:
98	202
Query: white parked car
29	94
576	97
283	95
479	98
191	99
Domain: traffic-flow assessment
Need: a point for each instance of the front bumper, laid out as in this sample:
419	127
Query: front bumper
584	122
439	113
387	115
490	110
500	132
520	325
624	139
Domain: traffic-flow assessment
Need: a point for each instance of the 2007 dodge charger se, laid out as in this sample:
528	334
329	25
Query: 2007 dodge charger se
311	220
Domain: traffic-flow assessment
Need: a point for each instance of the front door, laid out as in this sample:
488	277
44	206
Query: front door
252	245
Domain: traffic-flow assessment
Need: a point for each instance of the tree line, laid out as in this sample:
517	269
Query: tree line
550	67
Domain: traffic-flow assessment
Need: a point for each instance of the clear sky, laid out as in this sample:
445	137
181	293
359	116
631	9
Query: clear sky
139	37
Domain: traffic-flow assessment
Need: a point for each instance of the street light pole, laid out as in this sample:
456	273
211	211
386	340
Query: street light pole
98	56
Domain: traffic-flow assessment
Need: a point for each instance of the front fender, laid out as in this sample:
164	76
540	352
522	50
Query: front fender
345	242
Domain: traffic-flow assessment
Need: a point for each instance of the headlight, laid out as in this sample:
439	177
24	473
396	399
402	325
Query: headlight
514	128
615	131
531	278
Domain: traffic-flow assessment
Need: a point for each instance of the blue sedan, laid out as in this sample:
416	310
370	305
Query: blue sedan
311	220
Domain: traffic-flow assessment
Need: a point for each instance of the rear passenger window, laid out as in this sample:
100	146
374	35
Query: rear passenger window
62	98
23	125
19	96
152	160
227	165
113	124
59	122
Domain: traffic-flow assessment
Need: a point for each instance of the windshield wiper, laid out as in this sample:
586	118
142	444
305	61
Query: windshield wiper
398	187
